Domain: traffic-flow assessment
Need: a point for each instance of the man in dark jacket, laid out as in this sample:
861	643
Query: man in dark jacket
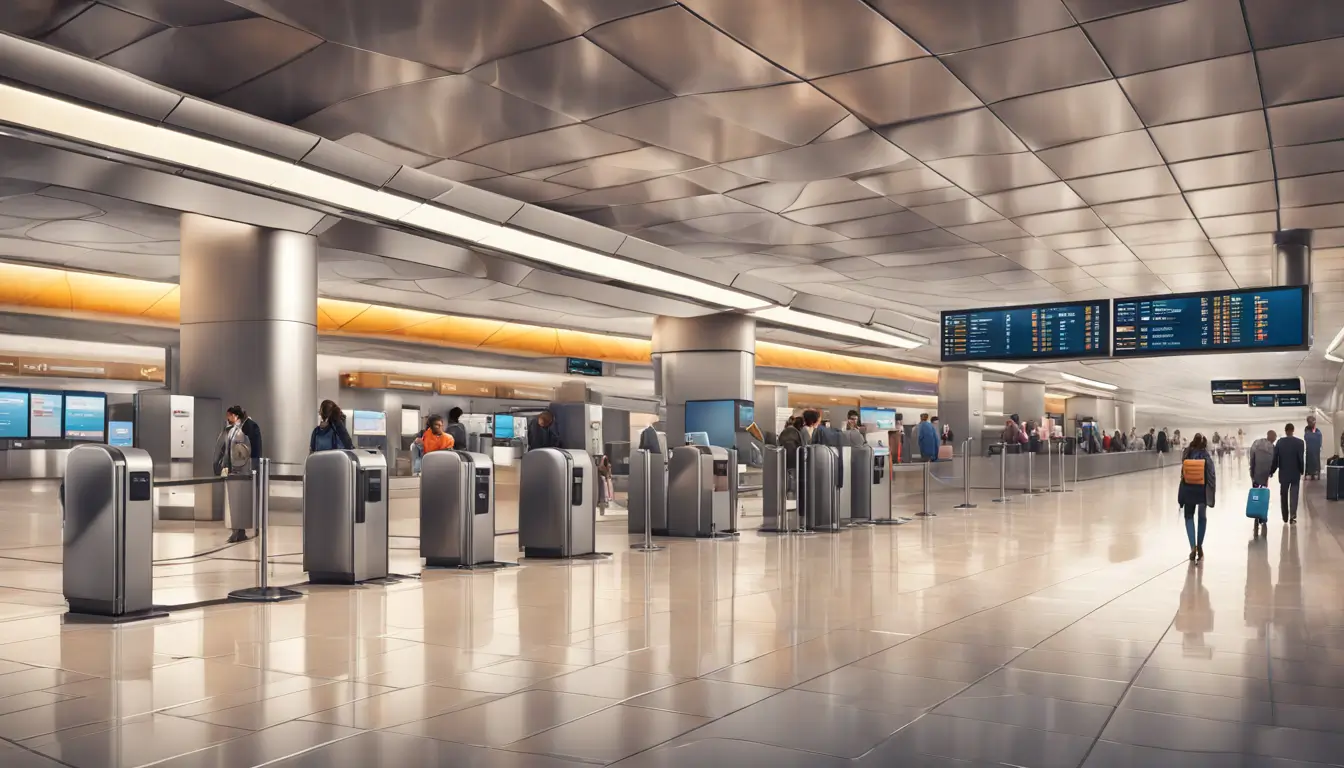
1163	443
541	432
791	439
1290	461
456	429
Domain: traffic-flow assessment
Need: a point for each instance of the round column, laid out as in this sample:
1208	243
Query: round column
712	357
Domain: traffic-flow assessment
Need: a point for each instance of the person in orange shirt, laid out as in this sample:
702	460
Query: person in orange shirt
434	437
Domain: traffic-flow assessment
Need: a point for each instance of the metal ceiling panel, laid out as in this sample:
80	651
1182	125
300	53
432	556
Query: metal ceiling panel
944	26
1080	239
623	300
1215	136
496	116
1057	269
776	197
99	31
1208	281
714	178
1195	91
29	63
1157	233
1309	20
1311	190
683	54
567	229
210	119
1241	224
1128	185
574	77
1227	170
1170	35
326	75
1049	119
583	15
352	164
418	184
210	59
1302	72
382	150
1243	245
930	256
858	209
1106	154
913	241
959	269
38	17
959	212
773	27
829	191
1078	286
995	173
1060	222
484	203
847	127
681	126
1307	123
890	224
178	14
807	302
904	182
930	197
895	93
1225	201
1144	210
974	132
458	170
864	152
623	168
764	229
666	211
1173	250
805	273
988	232
1057	196
1029	65
665	258
455	35
545	148
1125	268
1305	159
795	113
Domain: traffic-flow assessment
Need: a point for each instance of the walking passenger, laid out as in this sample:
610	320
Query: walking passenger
1196	494
1313	437
1290	461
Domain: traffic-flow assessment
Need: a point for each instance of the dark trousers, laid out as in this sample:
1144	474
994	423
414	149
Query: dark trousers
1288	499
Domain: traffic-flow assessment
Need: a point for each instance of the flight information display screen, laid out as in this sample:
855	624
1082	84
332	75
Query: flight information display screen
1220	398
1264	401
1043	331
1256	385
1292	400
1214	321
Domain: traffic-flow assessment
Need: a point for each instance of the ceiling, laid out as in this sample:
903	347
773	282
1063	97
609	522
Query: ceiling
907	155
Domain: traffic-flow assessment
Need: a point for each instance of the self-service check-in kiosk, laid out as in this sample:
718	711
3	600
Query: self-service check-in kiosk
457	509
107	532
880	487
774	490
701	491
859	481
345	516
819	493
656	485
556	504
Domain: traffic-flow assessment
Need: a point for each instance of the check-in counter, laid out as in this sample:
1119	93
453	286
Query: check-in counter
985	469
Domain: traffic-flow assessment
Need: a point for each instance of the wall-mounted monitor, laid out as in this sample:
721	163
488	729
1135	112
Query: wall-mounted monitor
86	416
716	418
45	415
1254	320
503	426
878	418
1035	332
580	366
746	414
13	414
410	422
1263	401
121	433
369	423
1292	400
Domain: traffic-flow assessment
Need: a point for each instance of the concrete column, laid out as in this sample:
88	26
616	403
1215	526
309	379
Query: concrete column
1026	399
249	328
1125	413
961	404
769	399
1292	257
702	358
1103	411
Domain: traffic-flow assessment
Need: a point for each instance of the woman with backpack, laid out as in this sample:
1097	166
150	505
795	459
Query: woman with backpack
330	433
1196	494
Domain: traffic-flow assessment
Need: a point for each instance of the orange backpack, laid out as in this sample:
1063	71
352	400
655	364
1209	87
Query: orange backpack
1192	471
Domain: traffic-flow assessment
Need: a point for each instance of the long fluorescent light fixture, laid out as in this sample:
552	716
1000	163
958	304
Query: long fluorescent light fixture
810	322
1088	382
1334	344
86	125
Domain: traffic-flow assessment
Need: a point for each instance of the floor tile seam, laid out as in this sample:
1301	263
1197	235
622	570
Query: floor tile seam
1234	722
272	761
1303	763
39	755
1003	666
198	717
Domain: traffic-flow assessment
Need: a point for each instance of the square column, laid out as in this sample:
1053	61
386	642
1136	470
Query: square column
961	404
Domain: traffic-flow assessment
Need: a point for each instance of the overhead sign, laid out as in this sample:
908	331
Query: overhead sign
60	368
583	367
466	388
1296	400
1231	399
1258	319
1263	400
1038	332
1255	385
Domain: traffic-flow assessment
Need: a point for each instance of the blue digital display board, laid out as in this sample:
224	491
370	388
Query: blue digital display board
85	417
503	426
1037	332
881	418
1264	401
1298	400
1258	319
716	418
583	367
121	433
13	414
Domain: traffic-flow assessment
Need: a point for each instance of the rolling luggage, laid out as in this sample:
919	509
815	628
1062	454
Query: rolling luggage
1257	504
944	453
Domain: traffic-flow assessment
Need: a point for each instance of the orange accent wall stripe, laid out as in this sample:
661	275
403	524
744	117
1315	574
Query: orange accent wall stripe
44	290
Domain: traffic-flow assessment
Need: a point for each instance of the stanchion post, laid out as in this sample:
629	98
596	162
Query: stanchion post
648	545
966	475
261	506
1003	475
1030	467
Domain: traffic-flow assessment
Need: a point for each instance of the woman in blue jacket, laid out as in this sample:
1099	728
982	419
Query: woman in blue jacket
1197	497
330	434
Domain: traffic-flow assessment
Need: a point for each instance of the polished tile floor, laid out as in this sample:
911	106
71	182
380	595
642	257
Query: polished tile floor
1062	630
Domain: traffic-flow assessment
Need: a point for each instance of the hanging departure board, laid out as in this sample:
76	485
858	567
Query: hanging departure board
1261	319
1296	399
1256	385
1039	332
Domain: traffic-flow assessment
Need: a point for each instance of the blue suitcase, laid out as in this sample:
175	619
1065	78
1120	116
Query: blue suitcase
1257	504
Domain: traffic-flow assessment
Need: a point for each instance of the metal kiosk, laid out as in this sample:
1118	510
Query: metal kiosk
859	479
774	490
556	509
345	516
107	533
657	485
701	491
457	509
820	484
